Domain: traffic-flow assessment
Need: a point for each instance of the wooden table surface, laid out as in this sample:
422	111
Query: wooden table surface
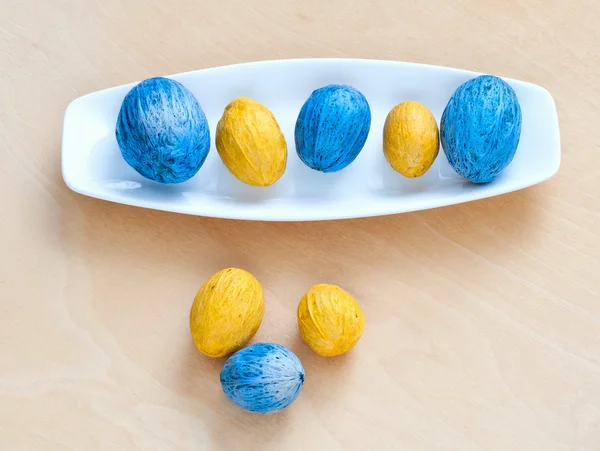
483	319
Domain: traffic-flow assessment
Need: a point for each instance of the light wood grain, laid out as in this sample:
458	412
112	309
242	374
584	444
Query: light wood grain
482	320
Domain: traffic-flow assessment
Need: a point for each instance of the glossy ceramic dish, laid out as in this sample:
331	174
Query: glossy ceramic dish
92	164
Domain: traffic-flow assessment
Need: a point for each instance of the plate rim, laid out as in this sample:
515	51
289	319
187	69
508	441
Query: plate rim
326	214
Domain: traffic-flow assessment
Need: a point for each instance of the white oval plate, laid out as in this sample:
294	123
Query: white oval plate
92	164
